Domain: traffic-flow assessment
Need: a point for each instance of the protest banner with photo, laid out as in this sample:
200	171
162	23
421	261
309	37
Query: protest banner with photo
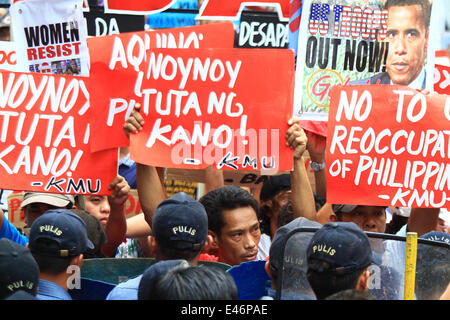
215	107
355	42
295	15
116	63
8	57
44	136
50	36
388	146
442	79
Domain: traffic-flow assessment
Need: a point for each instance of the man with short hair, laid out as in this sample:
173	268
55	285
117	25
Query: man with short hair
58	240
368	218
407	34
233	224
338	257
180	230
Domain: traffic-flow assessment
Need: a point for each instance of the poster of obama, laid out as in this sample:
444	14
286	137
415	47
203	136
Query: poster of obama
361	42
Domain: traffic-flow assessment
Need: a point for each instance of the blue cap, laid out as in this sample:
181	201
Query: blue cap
153	272
180	223
18	269
436	236
341	244
65	228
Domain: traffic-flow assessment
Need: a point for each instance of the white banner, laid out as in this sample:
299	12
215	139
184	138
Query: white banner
51	36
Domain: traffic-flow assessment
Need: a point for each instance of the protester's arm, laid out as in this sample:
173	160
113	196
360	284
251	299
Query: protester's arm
213	179
149	183
316	148
446	294
423	220
302	195
150	190
8	231
116	226
137	227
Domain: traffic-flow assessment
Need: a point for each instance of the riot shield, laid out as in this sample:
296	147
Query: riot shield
387	273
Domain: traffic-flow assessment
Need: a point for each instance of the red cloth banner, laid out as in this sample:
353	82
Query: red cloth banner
222	107
121	57
44	136
388	145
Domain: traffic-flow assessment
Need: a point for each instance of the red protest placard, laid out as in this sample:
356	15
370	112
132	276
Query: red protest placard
224	107
121	57
442	79
44	136
388	145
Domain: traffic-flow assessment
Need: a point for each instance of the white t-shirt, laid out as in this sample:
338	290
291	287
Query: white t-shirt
263	247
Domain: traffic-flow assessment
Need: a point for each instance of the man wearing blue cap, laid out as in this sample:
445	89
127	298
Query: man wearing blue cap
338	257
180	230
58	239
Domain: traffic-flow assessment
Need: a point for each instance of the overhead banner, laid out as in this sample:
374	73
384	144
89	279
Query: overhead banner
360	42
50	36
215	107
122	58
388	146
45	134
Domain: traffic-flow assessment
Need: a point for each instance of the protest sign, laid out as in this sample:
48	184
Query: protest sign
215	107
16	215
116	62
174	186
388	146
250	179
101	24
231	9
442	79
356	42
44	136
261	30
295	15
53	41
8	56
